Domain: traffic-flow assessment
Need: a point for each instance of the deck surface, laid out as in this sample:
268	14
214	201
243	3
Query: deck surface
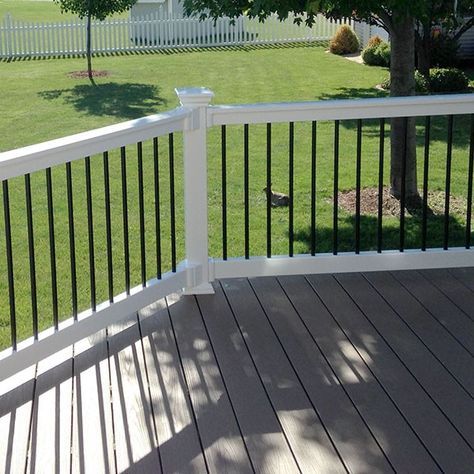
325	373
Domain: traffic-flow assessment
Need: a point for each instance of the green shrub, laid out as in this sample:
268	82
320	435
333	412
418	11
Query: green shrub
377	54
448	80
344	41
441	80
374	41
421	84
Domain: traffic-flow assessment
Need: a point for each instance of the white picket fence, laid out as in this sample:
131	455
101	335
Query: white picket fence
154	31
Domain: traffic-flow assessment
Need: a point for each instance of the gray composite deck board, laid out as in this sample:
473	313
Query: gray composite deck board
309	441
452	288
267	446
325	373
439	436
455	321
221	438
464	275
442	344
453	401
394	435
177	434
355	444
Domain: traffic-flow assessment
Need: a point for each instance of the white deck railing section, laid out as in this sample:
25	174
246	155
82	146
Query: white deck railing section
197	271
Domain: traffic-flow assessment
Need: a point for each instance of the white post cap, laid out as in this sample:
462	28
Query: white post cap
194	96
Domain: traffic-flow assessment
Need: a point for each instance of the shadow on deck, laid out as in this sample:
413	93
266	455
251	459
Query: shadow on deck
325	373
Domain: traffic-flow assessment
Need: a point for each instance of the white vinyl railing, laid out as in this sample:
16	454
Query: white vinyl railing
196	272
150	32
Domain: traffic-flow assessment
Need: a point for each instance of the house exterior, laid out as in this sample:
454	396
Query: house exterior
147	7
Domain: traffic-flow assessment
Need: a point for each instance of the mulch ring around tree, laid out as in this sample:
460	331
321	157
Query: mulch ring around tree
85	74
391	205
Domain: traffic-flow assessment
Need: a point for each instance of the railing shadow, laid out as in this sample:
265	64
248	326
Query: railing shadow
390	233
125	101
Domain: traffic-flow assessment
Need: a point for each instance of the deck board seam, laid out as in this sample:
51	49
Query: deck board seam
399	358
260	379
419	338
316	411
432	315
364	421
109	381
225	385
382	386
32	414
150	399
188	392
460	280
446	295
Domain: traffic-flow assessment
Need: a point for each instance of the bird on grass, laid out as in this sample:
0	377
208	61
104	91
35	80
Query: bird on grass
277	199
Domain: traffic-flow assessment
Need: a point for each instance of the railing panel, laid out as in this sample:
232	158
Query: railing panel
82	232
328	169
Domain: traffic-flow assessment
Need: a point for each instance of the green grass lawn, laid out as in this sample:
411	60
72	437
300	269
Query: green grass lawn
43	102
35	10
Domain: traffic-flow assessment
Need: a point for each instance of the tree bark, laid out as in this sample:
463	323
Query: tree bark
403	132
423	51
89	49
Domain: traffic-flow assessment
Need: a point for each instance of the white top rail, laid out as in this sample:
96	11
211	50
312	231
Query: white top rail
342	109
44	155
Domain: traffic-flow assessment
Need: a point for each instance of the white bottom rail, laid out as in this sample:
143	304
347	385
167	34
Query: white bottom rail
88	323
344	262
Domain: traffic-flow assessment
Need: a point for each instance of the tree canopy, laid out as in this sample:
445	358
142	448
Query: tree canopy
97	9
398	17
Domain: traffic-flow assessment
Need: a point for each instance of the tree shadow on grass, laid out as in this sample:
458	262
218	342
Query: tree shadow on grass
390	233
127	101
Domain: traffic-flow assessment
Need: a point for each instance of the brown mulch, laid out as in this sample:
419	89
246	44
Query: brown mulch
391	206
85	74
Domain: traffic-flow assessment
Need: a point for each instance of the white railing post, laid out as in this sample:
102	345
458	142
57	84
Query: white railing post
195	187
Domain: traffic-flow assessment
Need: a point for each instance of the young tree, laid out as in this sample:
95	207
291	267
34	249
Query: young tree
398	17
93	9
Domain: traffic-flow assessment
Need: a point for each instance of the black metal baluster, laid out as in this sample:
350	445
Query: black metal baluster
403	187
108	226
269	190
358	172
426	167
380	190
449	155
172	203
246	193
72	239
90	230
313	187
291	160
141	211
336	187
469	186
52	248
126	244
9	252
157	206
31	254
224	191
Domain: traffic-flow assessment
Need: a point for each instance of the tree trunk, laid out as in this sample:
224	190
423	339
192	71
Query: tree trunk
423	52
403	132
89	49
